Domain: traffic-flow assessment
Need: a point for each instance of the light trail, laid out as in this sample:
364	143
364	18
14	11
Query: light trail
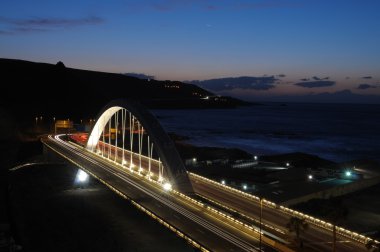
277	213
245	246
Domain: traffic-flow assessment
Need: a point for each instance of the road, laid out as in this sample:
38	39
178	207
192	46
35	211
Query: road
315	237
209	229
274	220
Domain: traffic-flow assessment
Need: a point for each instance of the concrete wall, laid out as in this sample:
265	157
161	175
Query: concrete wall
335	191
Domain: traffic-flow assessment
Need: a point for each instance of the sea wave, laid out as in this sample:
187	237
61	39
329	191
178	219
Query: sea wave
338	132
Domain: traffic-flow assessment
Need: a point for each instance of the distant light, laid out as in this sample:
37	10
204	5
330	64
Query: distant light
194	159
124	162
348	173
167	186
245	187
310	177
255	157
287	164
132	165
82	176
223	182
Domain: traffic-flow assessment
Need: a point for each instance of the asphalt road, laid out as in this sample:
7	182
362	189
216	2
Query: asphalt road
209	229
202	226
315	237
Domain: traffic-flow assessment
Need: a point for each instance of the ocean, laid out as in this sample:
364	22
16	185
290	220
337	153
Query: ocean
338	132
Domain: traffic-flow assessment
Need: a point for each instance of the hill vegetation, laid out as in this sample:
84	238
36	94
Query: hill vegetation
32	89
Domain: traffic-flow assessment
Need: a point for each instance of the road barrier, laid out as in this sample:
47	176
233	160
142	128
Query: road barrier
178	232
310	219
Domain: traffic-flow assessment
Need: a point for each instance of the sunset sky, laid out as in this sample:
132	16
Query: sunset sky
309	46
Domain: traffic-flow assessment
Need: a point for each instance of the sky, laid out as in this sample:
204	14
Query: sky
308	46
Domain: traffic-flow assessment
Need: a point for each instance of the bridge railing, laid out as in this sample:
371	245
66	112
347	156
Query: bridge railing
177	231
318	222
275	243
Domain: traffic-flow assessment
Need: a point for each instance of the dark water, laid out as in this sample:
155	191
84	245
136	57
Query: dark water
338	132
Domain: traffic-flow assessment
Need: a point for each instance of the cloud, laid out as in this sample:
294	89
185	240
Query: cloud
57	22
315	84
346	96
367	77
244	82
342	96
365	86
27	30
172	5
266	4
315	78
140	76
209	5
261	86
15	26
2	32
281	75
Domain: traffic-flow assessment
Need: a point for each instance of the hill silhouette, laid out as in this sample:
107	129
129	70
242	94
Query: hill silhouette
32	89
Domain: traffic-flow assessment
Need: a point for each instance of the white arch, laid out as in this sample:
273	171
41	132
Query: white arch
164	146
99	127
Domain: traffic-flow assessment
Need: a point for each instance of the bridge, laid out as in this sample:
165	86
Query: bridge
128	151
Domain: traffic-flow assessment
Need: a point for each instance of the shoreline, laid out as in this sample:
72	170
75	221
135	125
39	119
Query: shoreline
189	150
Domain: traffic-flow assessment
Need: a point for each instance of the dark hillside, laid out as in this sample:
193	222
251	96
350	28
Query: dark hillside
34	89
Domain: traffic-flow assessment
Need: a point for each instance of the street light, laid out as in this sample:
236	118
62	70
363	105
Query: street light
167	186
54	126
348	173
82	176
261	215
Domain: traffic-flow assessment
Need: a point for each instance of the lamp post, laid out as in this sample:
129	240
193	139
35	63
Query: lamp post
53	128
261	215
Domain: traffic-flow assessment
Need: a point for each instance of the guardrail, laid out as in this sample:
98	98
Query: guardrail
278	244
244	215
318	222
177	231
